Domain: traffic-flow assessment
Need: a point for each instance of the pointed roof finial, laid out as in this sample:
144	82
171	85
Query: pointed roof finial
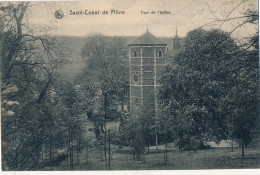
147	29
176	35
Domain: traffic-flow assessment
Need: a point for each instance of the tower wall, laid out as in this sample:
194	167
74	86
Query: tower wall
145	61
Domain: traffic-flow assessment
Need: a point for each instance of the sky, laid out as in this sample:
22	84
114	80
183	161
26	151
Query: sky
183	15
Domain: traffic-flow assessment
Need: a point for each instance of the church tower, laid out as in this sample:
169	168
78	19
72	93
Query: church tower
176	41
146	56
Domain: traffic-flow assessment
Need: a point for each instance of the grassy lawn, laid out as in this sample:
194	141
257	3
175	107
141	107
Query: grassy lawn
214	158
203	159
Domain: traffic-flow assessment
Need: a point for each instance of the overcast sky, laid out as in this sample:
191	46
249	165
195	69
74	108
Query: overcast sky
186	15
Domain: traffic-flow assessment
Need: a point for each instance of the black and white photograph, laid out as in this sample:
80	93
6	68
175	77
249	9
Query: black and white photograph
120	85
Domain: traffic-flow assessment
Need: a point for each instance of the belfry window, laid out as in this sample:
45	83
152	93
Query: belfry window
160	53
135	54
135	78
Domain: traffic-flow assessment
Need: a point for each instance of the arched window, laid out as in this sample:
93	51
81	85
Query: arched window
160	53
135	54
125	92
135	78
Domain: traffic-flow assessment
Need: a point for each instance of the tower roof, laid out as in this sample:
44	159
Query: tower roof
147	38
176	37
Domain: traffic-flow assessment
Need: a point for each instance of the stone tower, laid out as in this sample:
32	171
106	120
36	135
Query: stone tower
146	56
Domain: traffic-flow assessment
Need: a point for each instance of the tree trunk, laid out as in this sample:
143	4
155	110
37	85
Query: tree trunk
166	151
156	141
16	158
68	157
70	149
78	151
42	154
105	146
105	149
16	149
232	146
72	162
50	151
69	153
164	155
77	156
109	155
243	153
87	155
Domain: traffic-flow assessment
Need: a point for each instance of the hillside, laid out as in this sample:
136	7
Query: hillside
70	70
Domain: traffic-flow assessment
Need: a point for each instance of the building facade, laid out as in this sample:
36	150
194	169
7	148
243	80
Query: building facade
146	55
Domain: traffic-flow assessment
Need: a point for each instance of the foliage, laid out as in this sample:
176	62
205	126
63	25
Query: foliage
192	86
147	121
31	111
106	71
132	135
242	99
136	130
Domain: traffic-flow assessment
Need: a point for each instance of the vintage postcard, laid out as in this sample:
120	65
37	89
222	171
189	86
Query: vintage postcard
130	85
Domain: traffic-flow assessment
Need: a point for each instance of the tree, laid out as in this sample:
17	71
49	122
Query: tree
107	70
192	86
165	128
28	72
73	120
132	132
241	101
137	130
147	121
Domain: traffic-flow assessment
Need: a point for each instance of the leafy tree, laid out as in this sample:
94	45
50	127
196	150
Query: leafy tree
241	101
147	121
107	70
73	121
132	133
192	86
28	74
137	130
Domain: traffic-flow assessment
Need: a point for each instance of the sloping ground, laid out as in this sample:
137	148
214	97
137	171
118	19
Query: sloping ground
224	144
73	68
75	62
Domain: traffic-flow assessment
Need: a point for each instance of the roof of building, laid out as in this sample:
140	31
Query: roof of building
147	38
